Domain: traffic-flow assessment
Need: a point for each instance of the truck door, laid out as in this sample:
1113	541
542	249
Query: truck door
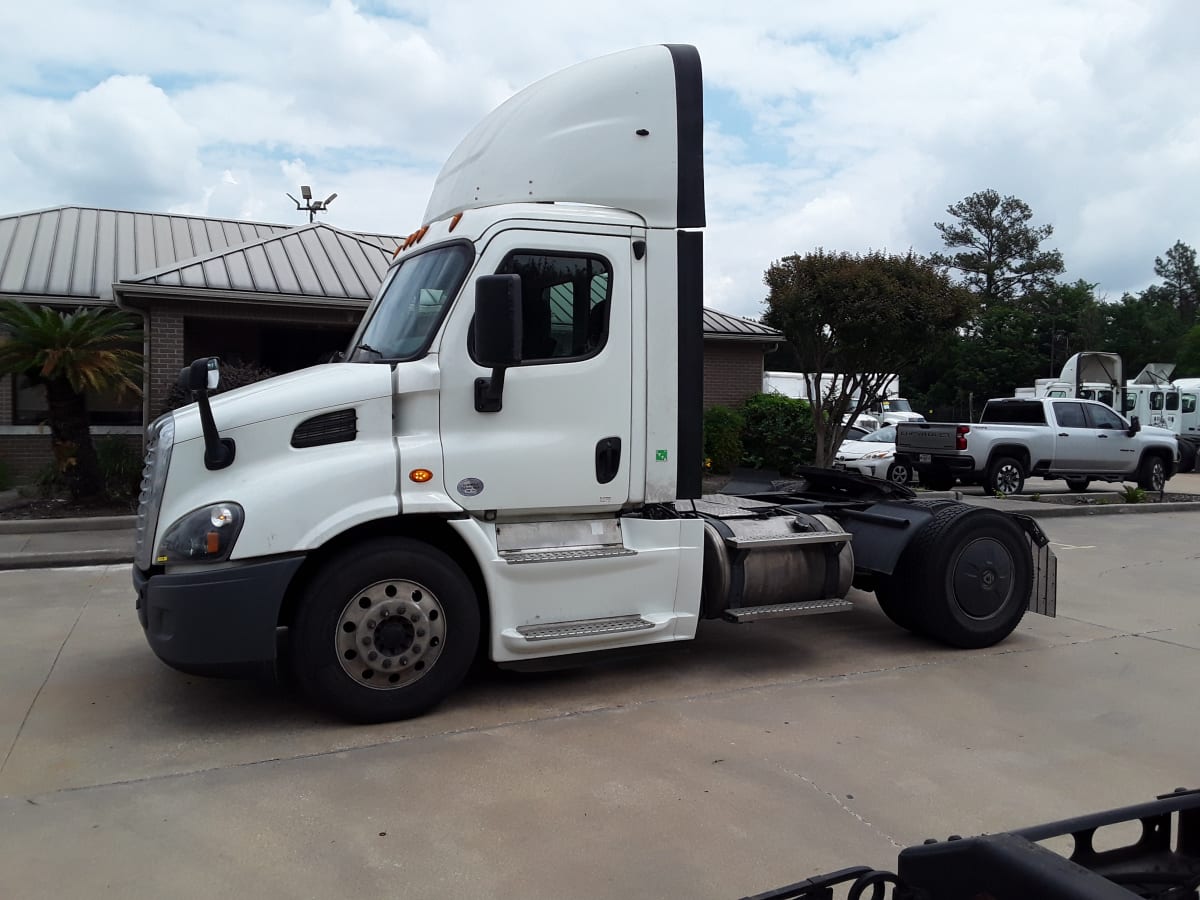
1075	442
1117	450
561	441
1189	419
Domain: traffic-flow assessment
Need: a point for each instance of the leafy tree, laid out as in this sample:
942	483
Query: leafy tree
997	250
867	316
1188	360
1181	281
68	354
1142	328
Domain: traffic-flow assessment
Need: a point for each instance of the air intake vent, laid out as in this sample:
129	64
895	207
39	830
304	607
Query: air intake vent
327	428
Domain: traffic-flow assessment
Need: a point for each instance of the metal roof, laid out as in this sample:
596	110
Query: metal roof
77	251
723	326
314	260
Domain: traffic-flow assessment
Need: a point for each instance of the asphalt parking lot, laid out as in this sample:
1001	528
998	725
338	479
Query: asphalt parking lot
752	757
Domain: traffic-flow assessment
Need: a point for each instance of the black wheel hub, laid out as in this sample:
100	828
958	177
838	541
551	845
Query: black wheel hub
983	577
394	636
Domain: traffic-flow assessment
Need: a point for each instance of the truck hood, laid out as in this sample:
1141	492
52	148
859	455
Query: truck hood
308	390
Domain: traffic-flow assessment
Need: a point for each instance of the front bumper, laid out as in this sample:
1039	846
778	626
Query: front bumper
215	622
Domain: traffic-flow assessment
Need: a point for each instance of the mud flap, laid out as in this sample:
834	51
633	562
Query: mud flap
1043	599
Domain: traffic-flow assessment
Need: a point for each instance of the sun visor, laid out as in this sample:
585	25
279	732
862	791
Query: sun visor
622	131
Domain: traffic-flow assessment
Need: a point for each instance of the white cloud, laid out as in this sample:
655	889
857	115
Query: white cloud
849	125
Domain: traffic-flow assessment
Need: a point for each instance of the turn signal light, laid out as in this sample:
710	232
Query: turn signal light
960	439
420	476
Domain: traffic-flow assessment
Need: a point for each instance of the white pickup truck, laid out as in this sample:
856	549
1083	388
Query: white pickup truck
1077	440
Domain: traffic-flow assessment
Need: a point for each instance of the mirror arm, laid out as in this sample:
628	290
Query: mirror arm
218	451
489	392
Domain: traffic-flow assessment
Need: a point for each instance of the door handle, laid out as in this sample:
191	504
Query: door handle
608	459
1104	436
1063	434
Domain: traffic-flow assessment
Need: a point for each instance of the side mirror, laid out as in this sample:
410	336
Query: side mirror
498	321
1134	426
203	374
498	328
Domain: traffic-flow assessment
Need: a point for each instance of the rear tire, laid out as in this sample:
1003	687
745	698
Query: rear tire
1152	474
968	576
1187	456
385	631
1005	476
938	480
1078	485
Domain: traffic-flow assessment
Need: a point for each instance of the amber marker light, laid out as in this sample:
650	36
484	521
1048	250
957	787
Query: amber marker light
454	221
420	476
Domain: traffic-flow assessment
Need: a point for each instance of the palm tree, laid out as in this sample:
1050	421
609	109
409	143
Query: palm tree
69	353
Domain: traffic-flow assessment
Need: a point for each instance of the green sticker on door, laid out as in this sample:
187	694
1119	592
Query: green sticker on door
660	455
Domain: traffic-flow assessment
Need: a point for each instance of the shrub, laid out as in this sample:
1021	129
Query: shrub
1132	494
120	467
778	433
49	480
5	476
233	376
722	439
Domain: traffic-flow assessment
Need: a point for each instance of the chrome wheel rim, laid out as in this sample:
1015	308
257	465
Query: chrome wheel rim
1158	475
899	475
1007	480
390	634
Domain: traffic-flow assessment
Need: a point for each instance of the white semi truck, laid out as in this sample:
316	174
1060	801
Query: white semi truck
507	463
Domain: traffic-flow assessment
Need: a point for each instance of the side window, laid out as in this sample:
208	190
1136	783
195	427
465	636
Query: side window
1172	401
1102	417
1070	415
1156	400
1105	397
1130	400
565	300
1189	403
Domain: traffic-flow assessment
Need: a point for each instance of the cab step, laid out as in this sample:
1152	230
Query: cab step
565	554
583	628
786	610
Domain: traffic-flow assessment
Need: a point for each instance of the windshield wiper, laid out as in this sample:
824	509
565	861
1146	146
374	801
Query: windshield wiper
368	349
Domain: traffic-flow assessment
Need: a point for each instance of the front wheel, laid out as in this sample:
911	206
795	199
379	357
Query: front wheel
1152	474
385	631
898	473
1078	485
968	576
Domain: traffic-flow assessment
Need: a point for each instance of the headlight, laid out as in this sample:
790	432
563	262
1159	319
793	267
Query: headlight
160	438
203	535
878	454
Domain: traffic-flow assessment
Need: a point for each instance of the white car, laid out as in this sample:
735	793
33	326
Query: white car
874	455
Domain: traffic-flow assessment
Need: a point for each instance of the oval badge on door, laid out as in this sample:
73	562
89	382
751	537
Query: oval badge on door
469	487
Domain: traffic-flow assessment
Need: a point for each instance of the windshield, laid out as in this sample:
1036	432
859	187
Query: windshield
412	305
896	404
883	435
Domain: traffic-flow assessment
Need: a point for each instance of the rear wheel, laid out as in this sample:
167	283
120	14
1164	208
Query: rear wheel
1005	476
386	630
938	480
1078	485
968	576
1187	456
1152	474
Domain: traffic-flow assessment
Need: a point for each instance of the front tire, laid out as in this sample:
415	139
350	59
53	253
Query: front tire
898	473
967	577
1152	474
1078	485
385	630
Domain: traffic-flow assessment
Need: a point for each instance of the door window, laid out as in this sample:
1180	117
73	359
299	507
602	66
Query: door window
1156	400
1101	417
1070	415
564	303
1172	402
1189	403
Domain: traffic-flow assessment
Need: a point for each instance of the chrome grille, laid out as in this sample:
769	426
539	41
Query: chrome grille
159	438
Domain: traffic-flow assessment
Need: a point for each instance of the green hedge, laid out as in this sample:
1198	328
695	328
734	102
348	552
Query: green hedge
778	433
722	439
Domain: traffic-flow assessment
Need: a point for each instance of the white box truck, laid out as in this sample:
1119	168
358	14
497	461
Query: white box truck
508	461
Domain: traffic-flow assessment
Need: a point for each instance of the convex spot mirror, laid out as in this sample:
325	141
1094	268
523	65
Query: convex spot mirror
498	321
203	374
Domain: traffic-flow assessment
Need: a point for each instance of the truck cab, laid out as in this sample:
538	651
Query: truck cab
507	461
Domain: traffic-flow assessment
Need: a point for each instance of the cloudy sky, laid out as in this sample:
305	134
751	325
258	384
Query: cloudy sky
849	125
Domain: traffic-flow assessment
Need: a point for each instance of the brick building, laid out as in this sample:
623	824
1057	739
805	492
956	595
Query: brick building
280	296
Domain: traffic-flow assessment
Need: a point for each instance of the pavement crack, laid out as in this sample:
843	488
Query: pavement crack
42	686
843	807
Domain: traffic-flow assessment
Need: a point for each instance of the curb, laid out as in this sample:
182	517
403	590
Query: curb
44	526
64	559
1106	509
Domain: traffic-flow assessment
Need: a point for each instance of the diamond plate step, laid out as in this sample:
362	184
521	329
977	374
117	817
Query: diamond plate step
789	540
582	628
785	610
564	555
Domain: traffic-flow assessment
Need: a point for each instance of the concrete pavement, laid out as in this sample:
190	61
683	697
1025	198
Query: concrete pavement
755	756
